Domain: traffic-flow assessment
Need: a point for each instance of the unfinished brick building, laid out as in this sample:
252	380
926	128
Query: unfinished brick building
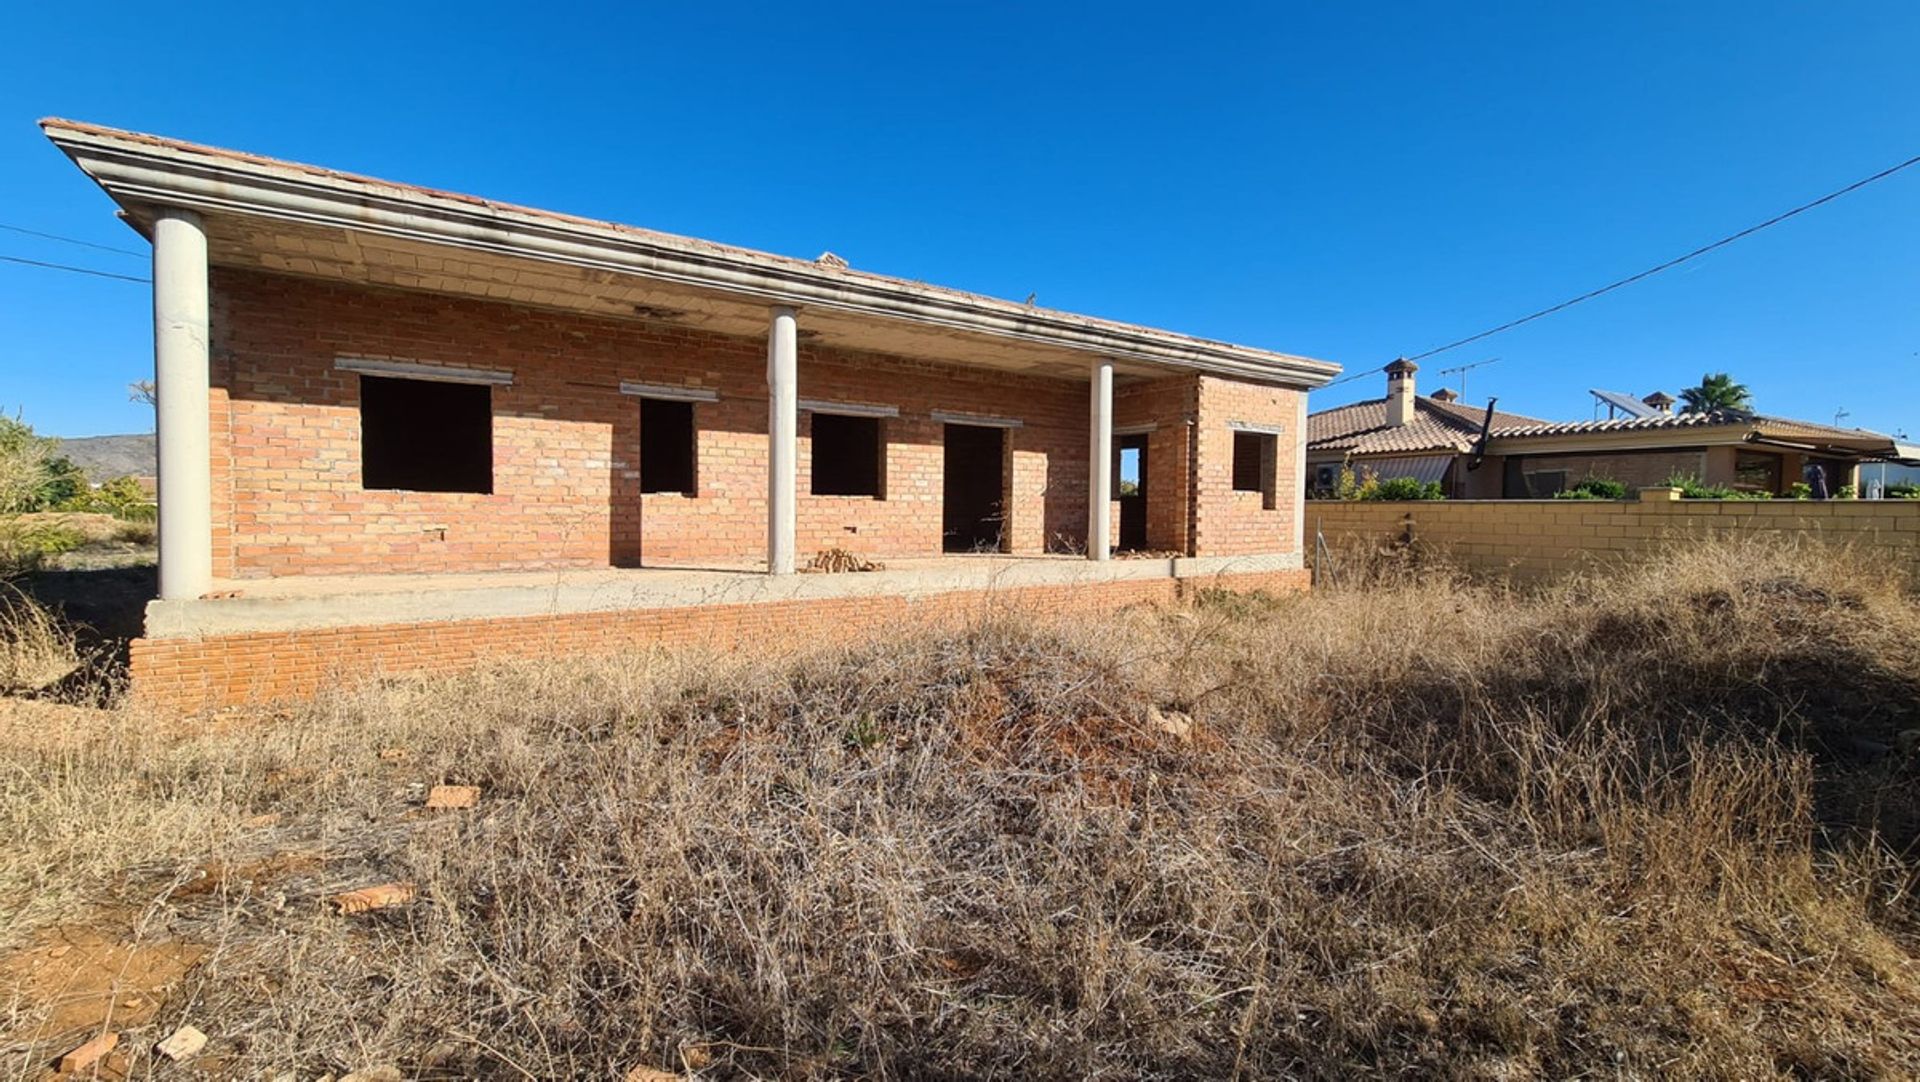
407	429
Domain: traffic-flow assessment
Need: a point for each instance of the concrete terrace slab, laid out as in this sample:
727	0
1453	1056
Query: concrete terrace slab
298	603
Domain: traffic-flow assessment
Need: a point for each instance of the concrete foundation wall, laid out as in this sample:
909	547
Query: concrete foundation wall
197	673
1532	539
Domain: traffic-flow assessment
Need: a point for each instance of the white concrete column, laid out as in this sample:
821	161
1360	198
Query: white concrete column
1300	475
181	389
1100	462
783	438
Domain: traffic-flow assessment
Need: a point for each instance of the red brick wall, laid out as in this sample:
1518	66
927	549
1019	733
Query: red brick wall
286	443
1230	523
288	498
187	674
1171	406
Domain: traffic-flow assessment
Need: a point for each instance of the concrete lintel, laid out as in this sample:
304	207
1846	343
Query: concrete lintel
668	392
435	373
949	417
848	409
1136	430
1257	428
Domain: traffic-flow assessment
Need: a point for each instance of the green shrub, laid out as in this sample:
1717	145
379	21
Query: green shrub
122	497
1903	490
1800	490
1368	486
1594	488
1692	488
1402	488
25	545
34	476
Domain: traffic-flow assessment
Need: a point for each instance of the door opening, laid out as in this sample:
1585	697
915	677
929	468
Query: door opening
1132	472
973	515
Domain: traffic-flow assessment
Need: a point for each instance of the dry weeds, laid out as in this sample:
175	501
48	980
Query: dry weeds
1637	825
37	648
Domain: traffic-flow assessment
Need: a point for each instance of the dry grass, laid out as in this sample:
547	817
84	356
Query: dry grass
1645	825
38	650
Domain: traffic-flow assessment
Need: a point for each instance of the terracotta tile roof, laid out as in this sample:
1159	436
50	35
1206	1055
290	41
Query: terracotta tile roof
1621	424
1790	429
1361	428
1785	428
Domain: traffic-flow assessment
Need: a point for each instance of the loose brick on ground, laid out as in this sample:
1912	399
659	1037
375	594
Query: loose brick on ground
378	897
448	797
89	1053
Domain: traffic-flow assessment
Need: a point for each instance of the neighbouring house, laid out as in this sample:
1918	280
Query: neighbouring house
1474	455
402	428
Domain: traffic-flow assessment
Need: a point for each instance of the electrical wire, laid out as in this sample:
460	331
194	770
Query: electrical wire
1650	271
71	240
75	270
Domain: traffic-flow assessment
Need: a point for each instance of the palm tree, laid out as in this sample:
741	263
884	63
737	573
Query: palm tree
1717	391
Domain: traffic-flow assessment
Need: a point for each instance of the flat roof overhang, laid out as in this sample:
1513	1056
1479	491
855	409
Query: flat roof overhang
302	220
1860	449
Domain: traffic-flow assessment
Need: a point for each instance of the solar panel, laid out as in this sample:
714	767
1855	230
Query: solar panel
1624	403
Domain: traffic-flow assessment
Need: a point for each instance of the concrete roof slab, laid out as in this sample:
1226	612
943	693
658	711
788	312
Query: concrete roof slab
305	220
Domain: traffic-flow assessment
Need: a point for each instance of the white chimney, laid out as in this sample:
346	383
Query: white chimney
1400	392
1661	401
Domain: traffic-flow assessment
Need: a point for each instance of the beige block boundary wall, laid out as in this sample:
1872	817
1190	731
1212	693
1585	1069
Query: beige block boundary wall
193	674
1534	539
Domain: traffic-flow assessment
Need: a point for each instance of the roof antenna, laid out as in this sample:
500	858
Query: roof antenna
1463	369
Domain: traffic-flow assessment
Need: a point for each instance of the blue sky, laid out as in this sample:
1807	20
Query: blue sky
1346	181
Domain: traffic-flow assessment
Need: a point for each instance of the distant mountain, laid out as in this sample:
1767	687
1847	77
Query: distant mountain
107	457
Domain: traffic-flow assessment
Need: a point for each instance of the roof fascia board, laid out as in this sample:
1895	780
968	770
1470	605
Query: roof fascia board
1816	448
142	173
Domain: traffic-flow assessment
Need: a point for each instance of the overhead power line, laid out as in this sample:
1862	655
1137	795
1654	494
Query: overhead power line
71	240
1650	271
76	270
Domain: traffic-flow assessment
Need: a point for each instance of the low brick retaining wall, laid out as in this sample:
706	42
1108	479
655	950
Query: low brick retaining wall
1534	539
197	673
